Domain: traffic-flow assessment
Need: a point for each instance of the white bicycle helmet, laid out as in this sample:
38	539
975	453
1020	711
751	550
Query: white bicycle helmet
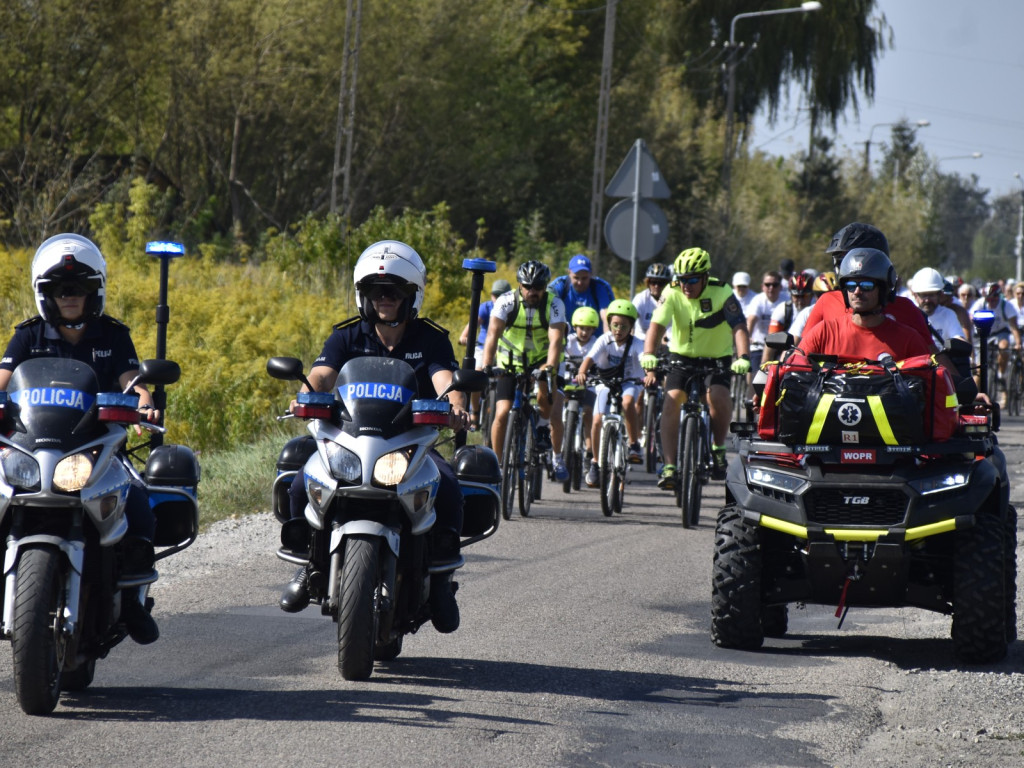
390	262
927	280
64	259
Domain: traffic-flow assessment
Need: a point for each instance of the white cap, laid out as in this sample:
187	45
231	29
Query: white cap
741	278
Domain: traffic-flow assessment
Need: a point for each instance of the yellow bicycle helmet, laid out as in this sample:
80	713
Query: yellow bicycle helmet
692	261
586	316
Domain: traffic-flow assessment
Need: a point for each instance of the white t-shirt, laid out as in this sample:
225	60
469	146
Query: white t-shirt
761	307
944	320
645	305
1004	312
607	353
575	352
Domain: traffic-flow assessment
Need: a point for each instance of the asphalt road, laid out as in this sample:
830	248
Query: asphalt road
584	642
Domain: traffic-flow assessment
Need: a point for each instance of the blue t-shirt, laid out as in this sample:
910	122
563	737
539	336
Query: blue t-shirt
484	317
599	295
424	346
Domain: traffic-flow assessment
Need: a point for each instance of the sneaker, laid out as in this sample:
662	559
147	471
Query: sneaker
543	438
561	471
667	479
635	454
593	479
296	594
719	464
444	611
137	620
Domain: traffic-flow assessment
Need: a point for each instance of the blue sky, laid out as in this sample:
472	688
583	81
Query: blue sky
957	64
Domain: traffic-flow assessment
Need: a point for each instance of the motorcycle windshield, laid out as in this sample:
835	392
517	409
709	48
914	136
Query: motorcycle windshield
52	396
376	393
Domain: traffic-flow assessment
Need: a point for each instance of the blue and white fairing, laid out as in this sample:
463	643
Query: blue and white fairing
374	424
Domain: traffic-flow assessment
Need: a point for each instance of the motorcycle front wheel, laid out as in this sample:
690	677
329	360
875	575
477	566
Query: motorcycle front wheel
37	641
357	618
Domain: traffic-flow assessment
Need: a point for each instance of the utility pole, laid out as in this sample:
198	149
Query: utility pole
601	139
346	119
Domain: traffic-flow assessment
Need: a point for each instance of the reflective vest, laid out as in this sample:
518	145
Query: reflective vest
526	333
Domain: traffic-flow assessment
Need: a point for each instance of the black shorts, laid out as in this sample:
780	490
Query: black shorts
676	378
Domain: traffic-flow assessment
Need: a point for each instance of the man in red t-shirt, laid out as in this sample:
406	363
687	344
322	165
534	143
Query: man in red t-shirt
866	281
833	304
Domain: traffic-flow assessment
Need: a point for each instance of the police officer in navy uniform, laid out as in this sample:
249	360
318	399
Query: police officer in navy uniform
69	278
390	280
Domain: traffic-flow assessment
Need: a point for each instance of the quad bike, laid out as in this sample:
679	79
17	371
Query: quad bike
889	523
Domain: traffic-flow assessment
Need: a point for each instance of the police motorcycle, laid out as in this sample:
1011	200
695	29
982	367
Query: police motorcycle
856	518
64	481
371	488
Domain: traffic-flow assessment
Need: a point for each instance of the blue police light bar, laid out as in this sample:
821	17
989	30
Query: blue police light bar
480	265
984	319
165	248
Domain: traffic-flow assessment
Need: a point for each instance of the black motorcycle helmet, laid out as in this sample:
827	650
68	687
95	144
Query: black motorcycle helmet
855	235
869	264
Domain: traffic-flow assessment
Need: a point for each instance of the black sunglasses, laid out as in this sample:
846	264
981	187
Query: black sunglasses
865	285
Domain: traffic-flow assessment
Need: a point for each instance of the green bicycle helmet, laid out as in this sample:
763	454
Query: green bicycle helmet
586	316
624	308
692	261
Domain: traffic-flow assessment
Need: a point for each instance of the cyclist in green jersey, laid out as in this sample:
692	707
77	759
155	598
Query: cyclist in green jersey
707	321
527	332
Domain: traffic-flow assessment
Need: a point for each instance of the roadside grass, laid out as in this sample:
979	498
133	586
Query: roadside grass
237	481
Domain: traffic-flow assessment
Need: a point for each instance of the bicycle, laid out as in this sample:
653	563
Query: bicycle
613	449
574	445
738	391
522	464
650	435
486	417
1015	383
694	445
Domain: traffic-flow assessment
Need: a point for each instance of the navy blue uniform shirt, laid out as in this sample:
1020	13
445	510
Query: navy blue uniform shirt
424	346
106	346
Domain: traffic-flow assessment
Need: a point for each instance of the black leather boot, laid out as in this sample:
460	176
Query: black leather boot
444	611
137	620
296	594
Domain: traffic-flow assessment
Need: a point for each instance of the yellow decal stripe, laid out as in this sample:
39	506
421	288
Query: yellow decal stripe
820	415
881	421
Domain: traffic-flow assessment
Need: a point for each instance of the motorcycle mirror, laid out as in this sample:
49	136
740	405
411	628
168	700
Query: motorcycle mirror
778	341
285	368
159	371
468	380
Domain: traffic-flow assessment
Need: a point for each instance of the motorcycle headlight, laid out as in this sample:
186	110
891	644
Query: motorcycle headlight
72	472
391	467
20	469
343	464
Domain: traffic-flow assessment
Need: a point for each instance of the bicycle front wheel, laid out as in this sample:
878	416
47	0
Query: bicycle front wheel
528	475
689	476
606	467
569	448
1015	390
620	466
510	463
651	432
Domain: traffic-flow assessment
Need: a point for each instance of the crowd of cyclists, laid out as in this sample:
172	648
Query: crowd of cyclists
571	330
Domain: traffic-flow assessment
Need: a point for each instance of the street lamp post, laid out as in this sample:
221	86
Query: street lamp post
867	144
730	96
972	156
1020	226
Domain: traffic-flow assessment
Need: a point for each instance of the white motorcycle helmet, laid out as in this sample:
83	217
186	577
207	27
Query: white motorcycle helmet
64	259
390	262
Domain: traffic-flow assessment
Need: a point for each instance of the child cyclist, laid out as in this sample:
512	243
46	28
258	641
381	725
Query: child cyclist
617	354
584	322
